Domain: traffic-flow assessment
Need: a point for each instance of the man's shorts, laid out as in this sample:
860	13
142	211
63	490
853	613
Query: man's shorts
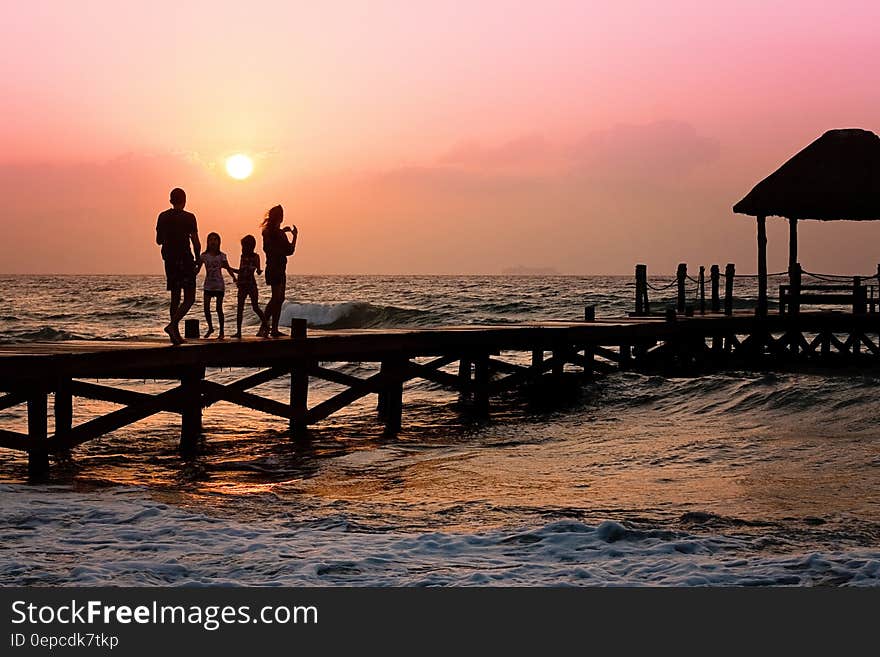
180	273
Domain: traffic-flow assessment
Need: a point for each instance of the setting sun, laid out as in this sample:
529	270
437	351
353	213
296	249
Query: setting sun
239	166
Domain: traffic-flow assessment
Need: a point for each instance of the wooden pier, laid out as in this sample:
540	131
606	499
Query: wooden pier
474	360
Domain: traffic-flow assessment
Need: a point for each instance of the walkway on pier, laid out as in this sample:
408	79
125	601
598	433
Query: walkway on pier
473	360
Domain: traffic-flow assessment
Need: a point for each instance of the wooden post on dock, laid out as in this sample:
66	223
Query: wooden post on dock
299	383
191	329
714	277
681	279
642	304
702	290
729	274
481	385
191	408
589	313
37	418
63	407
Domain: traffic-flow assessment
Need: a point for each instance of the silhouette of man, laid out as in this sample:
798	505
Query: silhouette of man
175	230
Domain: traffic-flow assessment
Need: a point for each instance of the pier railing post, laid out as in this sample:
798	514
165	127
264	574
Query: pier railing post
681	280
714	277
299	382
729	275
642	307
37	419
191	408
589	313
702	280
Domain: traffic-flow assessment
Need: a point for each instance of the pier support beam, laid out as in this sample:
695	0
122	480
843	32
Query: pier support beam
481	385
299	383
38	453
299	399
191	409
63	407
391	396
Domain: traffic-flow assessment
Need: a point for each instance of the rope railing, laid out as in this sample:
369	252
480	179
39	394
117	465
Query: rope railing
837	277
690	294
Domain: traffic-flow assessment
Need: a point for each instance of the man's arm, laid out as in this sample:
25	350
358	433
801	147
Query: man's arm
160	232
197	245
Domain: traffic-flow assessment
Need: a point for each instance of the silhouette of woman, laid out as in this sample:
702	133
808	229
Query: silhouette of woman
277	248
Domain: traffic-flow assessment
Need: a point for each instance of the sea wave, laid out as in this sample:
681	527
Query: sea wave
356	314
121	537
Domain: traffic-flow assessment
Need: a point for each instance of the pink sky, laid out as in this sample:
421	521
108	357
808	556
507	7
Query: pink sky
426	137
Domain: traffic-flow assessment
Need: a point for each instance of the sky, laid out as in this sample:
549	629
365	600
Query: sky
426	137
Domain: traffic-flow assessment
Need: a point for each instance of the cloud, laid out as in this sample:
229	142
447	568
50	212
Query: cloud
654	151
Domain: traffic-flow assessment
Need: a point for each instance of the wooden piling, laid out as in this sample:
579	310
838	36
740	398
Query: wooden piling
729	275
392	398
63	406
589	313
860	296
681	281
37	415
191	408
299	383
589	360
714	277
481	384
537	359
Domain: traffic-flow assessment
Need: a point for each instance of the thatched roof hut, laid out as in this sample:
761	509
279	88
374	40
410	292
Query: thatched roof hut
837	177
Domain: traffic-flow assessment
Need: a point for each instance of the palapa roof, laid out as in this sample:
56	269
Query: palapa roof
835	177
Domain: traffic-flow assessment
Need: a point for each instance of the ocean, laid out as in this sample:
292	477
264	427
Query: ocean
733	478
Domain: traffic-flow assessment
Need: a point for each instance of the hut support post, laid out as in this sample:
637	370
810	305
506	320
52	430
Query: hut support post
37	419
762	266
794	278
714	277
792	243
681	280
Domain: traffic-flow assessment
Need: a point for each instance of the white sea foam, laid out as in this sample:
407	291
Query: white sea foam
122	537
